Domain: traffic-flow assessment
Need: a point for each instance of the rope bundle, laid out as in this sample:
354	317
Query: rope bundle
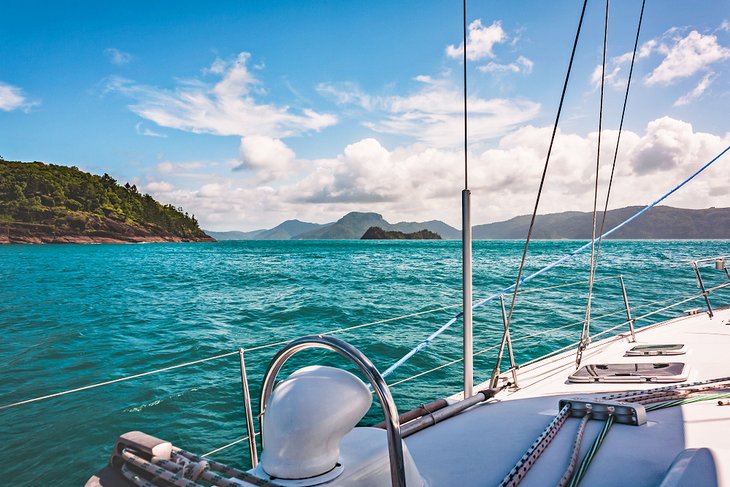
658	398
185	469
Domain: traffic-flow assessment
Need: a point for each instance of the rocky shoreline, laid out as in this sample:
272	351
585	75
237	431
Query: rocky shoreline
96	230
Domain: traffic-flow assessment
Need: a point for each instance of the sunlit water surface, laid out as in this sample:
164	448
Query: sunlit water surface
73	315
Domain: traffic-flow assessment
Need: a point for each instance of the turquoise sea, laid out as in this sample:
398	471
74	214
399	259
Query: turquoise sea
73	315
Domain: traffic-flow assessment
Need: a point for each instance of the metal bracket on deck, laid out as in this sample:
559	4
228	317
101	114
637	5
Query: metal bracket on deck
622	412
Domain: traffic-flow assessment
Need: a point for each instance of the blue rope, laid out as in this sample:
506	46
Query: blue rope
548	267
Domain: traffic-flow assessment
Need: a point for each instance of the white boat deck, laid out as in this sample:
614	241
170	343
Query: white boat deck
481	445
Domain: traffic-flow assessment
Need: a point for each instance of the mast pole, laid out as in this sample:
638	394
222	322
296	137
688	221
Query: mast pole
466	253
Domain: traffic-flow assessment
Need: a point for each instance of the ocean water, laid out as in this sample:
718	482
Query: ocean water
73	315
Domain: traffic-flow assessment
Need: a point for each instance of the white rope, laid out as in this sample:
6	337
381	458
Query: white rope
567	284
235	442
114	381
215	357
576	449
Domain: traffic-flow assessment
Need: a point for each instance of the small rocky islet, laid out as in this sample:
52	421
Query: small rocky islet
377	233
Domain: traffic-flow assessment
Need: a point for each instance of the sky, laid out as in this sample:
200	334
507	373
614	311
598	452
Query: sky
247	113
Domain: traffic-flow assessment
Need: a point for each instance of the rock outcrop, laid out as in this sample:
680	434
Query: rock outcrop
377	233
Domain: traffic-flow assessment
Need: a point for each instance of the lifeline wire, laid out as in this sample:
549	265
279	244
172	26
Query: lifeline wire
553	264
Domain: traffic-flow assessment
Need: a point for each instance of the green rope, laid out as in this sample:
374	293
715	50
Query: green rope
689	400
585	463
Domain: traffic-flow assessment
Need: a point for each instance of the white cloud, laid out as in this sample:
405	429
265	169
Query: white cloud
615	66
212	190
147	132
433	114
269	158
693	53
347	94
159	187
13	98
697	91
227	107
167	167
522	65
118	57
612	77
480	41
670	144
416	182
647	48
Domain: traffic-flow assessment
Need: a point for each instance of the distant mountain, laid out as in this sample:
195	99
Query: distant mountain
349	227
437	226
662	222
355	224
235	235
283	231
377	233
287	230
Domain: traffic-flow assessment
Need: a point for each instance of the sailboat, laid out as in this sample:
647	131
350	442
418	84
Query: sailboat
628	406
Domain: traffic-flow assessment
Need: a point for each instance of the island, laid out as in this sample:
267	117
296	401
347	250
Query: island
377	233
48	203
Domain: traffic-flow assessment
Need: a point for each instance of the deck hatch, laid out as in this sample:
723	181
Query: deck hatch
631	372
657	349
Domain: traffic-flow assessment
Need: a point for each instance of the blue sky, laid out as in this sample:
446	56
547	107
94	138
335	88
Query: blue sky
248	113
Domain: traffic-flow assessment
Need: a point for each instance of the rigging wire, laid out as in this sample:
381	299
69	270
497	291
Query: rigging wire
466	157
555	263
621	124
545	168
585	334
620	129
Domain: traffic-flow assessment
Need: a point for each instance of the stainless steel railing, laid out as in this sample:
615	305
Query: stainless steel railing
392	424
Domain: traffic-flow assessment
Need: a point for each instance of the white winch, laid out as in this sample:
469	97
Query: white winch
309	434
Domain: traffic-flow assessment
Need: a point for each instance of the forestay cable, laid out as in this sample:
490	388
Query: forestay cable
517	283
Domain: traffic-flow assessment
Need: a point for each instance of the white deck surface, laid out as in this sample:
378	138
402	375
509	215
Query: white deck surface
481	445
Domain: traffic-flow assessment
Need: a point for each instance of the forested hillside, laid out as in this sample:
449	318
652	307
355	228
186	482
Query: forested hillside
50	203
